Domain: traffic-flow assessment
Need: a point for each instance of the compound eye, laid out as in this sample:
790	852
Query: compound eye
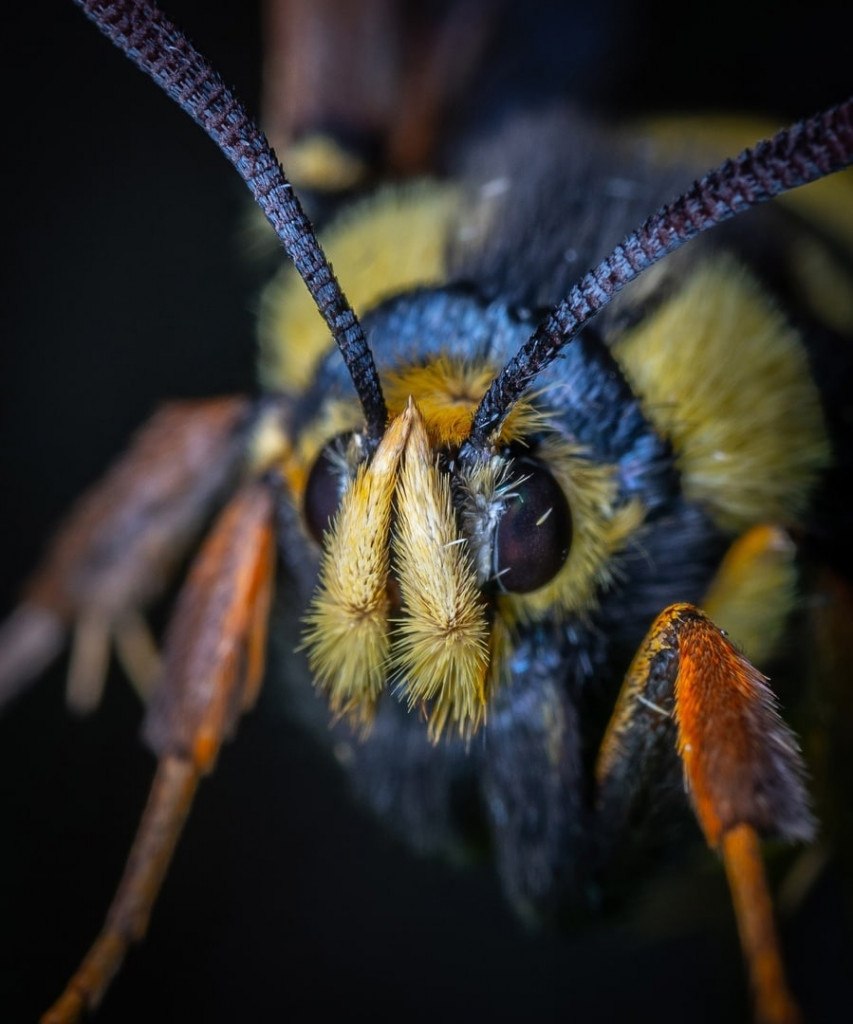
534	534
323	489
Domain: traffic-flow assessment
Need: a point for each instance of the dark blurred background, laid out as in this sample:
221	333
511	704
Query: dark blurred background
127	282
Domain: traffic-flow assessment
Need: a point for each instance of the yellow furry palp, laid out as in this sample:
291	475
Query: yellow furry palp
440	649
347	622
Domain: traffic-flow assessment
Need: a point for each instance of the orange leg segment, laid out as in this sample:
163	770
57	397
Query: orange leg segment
168	804
689	688
754	911
212	669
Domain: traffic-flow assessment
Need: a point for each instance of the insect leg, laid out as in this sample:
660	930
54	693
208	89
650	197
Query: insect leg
137	651
169	801
120	546
213	664
689	690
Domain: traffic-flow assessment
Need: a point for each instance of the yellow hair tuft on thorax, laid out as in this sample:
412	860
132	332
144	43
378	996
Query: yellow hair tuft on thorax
723	375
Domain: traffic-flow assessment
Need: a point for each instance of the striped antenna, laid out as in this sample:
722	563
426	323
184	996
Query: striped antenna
143	33
806	151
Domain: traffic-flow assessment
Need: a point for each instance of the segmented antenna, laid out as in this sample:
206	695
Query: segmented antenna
144	34
806	151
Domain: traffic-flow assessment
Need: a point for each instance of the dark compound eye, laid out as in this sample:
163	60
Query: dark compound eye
534	534
323	489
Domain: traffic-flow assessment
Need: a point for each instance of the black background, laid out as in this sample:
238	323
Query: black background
126	282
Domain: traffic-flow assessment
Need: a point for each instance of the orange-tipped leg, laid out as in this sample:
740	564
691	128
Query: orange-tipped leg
212	669
168	804
745	872
688	689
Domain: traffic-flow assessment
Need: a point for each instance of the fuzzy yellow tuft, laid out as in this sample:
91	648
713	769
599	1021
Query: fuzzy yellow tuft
725	377
388	243
347	634
447	392
441	648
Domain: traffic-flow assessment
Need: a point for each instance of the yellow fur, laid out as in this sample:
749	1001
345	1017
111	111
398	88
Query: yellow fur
390	242
269	444
754	591
447	391
441	650
347	635
725	377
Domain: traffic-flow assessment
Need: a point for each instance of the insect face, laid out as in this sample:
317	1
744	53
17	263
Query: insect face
432	616
338	855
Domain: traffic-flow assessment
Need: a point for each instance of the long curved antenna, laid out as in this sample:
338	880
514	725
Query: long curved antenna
806	151
157	47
